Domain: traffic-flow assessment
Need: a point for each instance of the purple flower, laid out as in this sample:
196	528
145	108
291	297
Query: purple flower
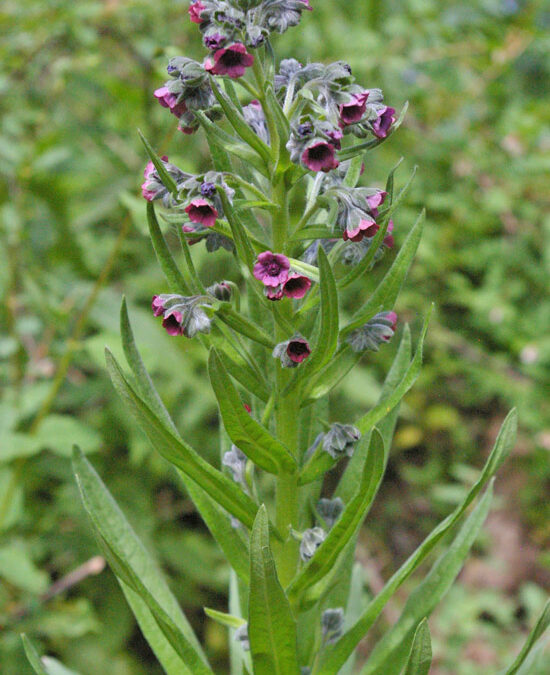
231	61
320	156
157	305
335	136
173	324
307	5
383	122
365	228
201	211
195	11
214	41
298	349
388	239
273	293
376	200
271	268
296	286
169	100
187	130
352	112
148	194
208	189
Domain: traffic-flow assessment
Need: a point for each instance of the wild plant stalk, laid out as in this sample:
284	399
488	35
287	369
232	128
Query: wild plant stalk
284	196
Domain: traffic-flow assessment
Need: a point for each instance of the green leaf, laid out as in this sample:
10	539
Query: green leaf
240	235
165	653
32	656
336	655
538	631
391	399
239	124
247	434
390	652
131	562
224	619
164	176
271	626
18	569
240	324
420	656
245	376
332	374
347	525
390	180
387	291
354	172
327	339
55	667
317	465
174	277
222	489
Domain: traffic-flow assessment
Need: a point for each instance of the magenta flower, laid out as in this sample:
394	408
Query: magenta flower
376	200
201	211
148	194
382	124
231	61
391	316
298	349
366	228
352	112
307	5
271	269
320	156
173	324
169	100
195	11
187	130
275	293
157	305
296	286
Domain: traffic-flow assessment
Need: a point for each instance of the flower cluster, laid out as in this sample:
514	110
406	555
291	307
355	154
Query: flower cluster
183	315
153	188
274	271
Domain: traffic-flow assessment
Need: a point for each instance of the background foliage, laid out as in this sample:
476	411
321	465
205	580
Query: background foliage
76	82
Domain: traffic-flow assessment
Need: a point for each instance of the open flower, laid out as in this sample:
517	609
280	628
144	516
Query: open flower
195	11
383	122
169	100
296	286
365	228
231	61
201	211
271	268
353	112
320	156
292	352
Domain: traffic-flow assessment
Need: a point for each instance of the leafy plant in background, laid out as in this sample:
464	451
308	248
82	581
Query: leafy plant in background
274	356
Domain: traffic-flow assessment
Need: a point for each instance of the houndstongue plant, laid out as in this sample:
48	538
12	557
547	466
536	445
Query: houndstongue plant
289	144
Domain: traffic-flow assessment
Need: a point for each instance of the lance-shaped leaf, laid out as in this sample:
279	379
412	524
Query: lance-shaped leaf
538	631
32	656
393	397
167	263
217	138
347	525
332	374
245	376
240	126
131	562
336	655
240	324
391	650
247	434
354	172
271	626
224	619
164	176
222	489
388	289
327	339
240	235
420	656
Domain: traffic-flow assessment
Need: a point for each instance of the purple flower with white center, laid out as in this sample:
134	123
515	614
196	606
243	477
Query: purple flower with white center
201	211
353	112
169	100
378	330
383	122
271	268
320	156
311	540
231	61
296	286
195	11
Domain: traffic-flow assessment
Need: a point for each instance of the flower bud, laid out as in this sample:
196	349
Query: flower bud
340	440
332	624
182	315
221	291
330	510
378	330
311	540
241	635
235	460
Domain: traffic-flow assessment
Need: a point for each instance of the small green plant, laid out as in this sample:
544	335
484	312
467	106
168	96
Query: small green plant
289	145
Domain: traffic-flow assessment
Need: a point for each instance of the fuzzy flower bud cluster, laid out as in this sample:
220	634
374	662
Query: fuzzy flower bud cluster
183	315
379	330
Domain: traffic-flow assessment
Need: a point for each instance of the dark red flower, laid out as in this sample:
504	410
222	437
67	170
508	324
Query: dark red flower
320	156
169	100
201	211
382	124
298	349
296	286
231	61
352	112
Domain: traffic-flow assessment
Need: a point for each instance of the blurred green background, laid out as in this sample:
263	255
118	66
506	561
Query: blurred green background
76	82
